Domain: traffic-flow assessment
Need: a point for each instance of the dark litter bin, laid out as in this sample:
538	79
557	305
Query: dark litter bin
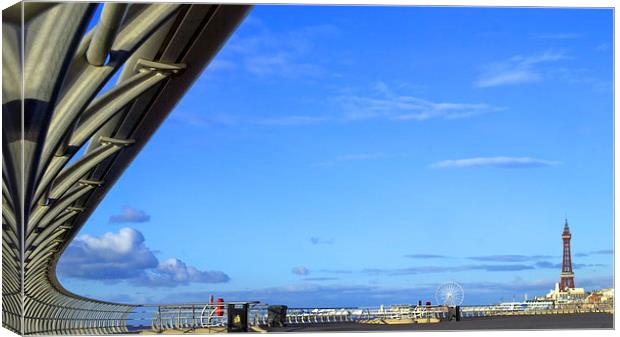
454	313
237	318
276	315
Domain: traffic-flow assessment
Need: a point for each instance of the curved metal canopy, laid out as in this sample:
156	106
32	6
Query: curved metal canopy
53	106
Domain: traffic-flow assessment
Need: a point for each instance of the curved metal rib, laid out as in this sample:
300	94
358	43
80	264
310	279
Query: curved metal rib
111	18
46	198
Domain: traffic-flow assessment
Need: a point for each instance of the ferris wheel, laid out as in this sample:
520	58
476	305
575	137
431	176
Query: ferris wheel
450	294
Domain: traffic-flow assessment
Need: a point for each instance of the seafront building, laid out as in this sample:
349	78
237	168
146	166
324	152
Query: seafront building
566	295
601	296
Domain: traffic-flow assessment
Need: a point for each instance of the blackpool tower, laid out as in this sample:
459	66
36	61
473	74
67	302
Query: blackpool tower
567	278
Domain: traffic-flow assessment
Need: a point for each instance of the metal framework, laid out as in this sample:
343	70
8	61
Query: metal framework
567	277
65	142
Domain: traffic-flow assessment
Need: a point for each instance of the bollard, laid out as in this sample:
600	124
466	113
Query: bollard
219	310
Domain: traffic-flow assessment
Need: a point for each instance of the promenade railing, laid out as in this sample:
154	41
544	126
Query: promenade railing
213	316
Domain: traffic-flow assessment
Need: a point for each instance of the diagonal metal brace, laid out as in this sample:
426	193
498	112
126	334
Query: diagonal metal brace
90	182
169	68
115	141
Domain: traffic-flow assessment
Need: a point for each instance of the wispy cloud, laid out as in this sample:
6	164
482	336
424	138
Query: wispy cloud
320	278
551	265
300	270
206	120
558	36
355	157
289	120
267	53
596	252
320	241
381	102
304	294
602	47
335	271
133	298
130	215
385	103
448	269
517	69
510	258
362	156
309	294
220	64
510	265
548	265
124	256
283	64
588	265
582	76
425	256
499	162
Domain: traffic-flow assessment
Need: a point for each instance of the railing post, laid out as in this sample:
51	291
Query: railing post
159	316
193	317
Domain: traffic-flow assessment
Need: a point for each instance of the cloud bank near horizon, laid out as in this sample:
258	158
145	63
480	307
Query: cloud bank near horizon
124	256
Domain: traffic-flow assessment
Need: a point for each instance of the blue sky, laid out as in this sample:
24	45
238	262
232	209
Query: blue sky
340	156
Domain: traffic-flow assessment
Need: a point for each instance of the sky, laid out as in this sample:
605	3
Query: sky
356	156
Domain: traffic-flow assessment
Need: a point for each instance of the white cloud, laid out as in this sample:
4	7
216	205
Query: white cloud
123	256
501	162
111	256
517	69
173	272
130	214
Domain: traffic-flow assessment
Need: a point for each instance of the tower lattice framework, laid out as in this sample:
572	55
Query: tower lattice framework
567	277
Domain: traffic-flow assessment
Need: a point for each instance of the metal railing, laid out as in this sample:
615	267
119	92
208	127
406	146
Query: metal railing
336	315
214	315
534	308
187	316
